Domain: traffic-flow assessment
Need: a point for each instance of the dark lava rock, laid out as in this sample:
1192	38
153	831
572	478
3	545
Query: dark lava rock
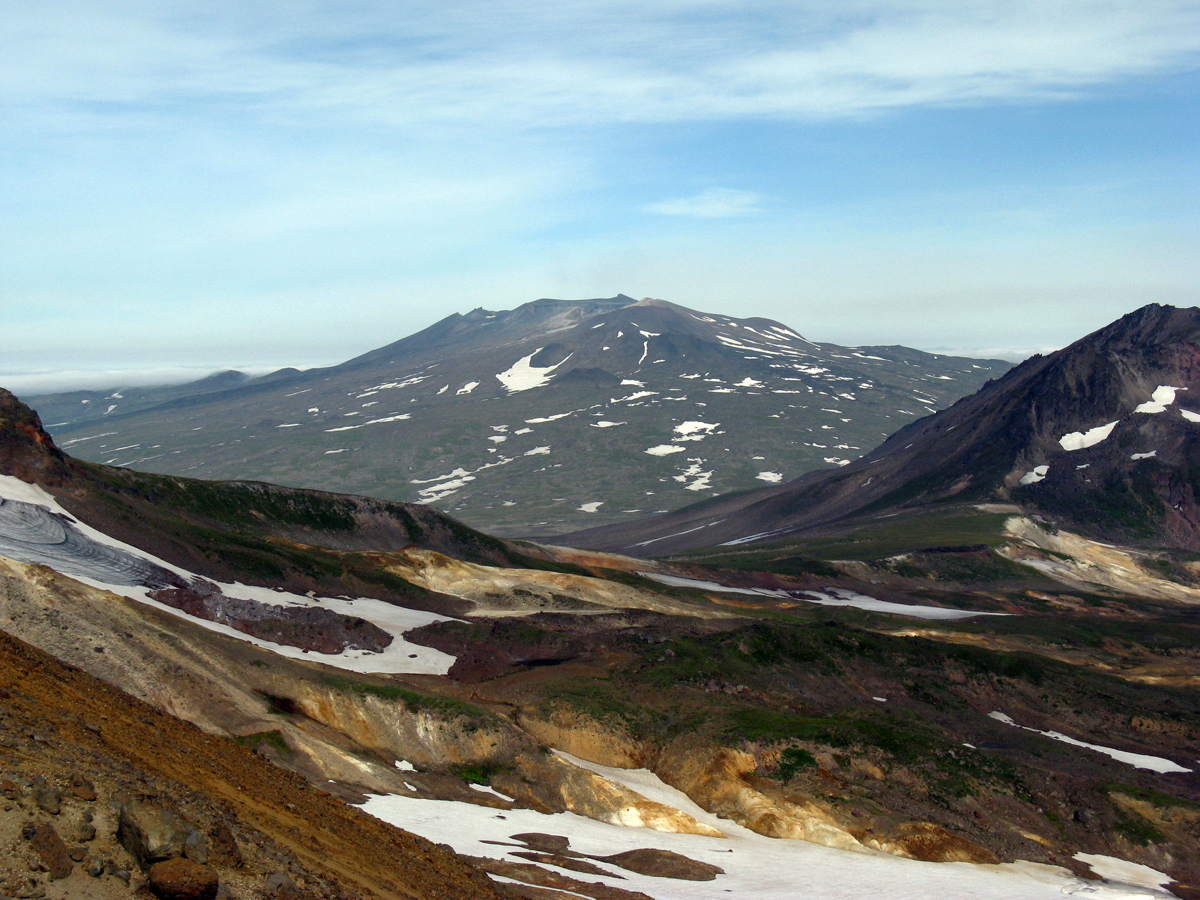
49	848
151	834
195	847
663	864
222	847
546	843
182	879
48	798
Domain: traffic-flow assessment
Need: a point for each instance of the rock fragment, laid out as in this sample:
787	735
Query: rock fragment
182	879
50	849
150	833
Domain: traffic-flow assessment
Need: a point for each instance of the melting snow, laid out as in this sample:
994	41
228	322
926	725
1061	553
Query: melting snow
1149	455
1078	440
537	451
1137	760
1163	396
828	597
545	419
591	507
467	388
694	431
1189	415
665	449
755	866
1038	474
396	657
604	424
637	395
523	375
772	477
748	382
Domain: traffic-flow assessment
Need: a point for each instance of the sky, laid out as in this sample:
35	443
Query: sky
190	186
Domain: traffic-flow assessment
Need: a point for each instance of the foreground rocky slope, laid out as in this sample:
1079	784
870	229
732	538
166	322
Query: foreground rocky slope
890	706
75	752
540	419
1100	437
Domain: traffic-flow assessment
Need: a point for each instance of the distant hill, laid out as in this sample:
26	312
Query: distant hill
1101	436
538	420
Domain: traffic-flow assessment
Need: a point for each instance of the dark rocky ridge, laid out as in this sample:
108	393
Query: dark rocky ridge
979	449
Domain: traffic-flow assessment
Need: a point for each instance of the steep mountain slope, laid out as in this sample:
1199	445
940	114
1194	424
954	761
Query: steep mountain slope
547	417
1100	436
96	747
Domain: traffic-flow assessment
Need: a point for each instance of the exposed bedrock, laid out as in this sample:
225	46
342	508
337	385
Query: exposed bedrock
520	767
714	777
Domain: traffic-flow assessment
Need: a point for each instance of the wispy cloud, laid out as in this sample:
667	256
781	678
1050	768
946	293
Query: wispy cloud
538	64
715	203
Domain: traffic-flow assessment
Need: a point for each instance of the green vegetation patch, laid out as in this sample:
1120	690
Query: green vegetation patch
414	702
272	738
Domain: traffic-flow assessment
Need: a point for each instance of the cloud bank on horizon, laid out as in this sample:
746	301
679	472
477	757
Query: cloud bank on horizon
233	184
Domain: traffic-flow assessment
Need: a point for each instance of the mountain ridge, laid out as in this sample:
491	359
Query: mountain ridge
543	418
1009	428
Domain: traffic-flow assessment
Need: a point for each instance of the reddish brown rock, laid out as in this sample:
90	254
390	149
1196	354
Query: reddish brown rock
50	848
182	879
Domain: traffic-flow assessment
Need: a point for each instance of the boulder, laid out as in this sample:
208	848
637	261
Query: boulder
182	879
48	798
50	849
151	834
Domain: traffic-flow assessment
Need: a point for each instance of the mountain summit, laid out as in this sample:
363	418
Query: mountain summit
544	418
1099	436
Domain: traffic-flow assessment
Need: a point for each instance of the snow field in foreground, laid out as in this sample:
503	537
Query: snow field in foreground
755	866
399	657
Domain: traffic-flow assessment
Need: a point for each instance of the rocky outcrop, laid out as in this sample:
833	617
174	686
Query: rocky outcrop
715	779
26	450
544	781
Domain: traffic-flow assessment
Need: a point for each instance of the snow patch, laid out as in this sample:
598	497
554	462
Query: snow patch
467	388
1137	760
694	431
1038	474
1163	396
1150	455
665	449
770	477
523	375
538	451
1189	415
591	507
1078	440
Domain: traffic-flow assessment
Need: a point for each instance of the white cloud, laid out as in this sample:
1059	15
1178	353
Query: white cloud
539	64
715	203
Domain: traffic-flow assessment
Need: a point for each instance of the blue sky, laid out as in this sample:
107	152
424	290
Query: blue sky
188	186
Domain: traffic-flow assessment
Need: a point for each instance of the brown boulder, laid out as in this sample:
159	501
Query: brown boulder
182	879
663	864
50	848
